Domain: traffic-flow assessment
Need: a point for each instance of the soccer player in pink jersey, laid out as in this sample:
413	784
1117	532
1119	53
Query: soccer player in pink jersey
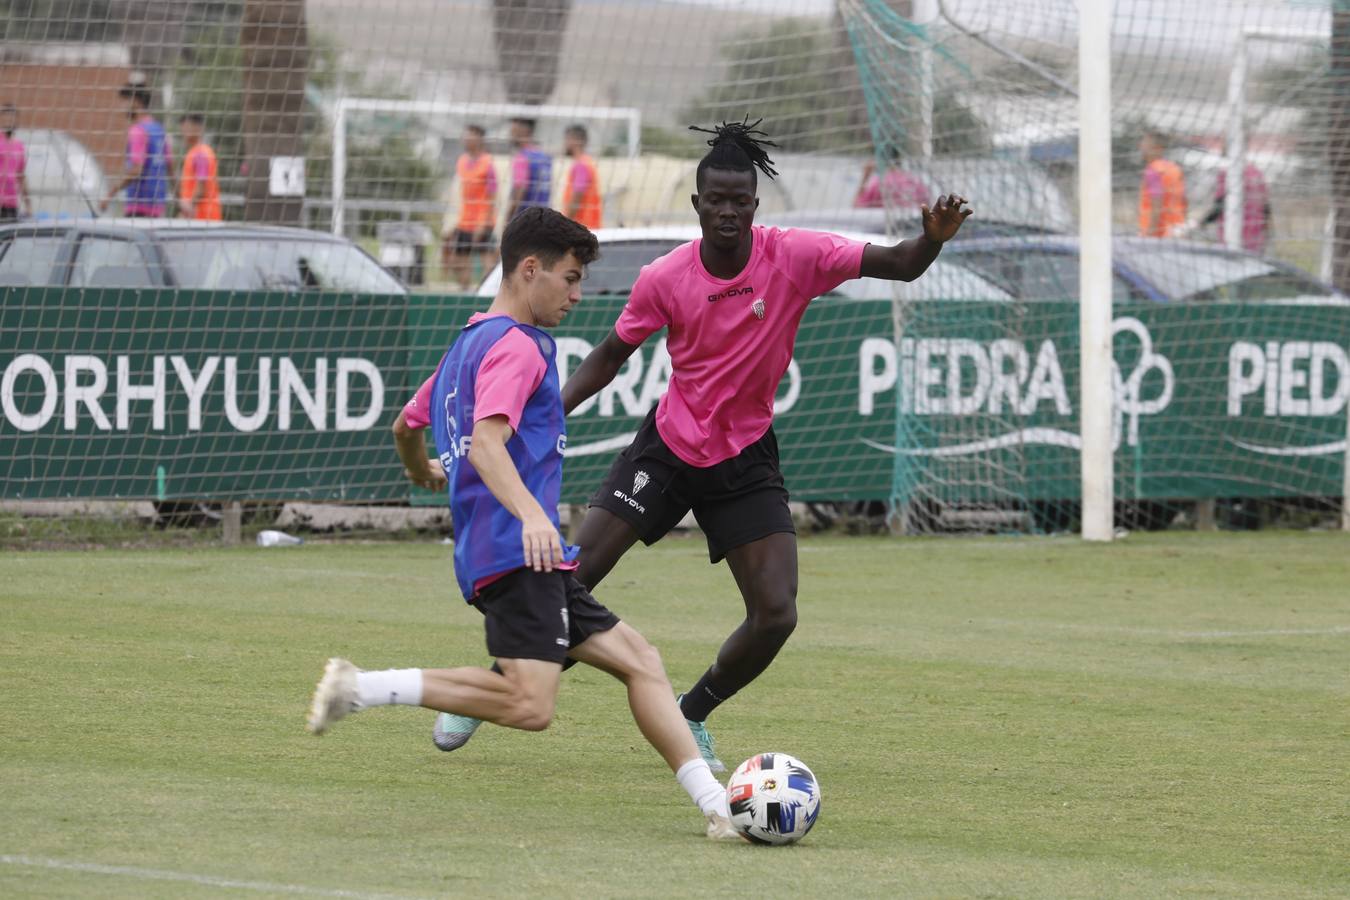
732	302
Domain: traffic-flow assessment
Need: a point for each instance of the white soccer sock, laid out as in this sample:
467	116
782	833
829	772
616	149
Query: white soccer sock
389	686
696	778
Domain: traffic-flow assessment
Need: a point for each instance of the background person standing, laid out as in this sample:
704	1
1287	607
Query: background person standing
581	191
531	170
471	240
13	166
149	160
199	188
1162	191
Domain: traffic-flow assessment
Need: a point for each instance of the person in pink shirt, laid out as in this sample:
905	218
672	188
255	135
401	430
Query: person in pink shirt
731	301
13	167
895	188
1256	216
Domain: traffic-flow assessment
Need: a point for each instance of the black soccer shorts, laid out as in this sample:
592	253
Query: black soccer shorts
539	615
736	501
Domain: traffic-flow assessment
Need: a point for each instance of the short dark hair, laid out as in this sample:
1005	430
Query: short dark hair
578	130
547	234
738	147
476	129
528	123
194	118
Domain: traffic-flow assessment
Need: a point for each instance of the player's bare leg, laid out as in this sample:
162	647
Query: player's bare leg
627	655
603	538
521	696
766	573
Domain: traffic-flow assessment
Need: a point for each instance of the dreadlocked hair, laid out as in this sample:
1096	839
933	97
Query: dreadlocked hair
738	146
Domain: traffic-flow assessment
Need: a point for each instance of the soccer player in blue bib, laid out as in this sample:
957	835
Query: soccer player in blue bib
495	409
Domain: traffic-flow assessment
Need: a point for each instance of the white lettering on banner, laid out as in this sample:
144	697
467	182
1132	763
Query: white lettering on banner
315	404
88	394
126	392
145	380
1006	386
29	362
354	365
962	377
237	419
871	381
1294	378
932	373
195	388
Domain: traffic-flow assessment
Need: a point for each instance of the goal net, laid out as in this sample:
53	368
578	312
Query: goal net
364	156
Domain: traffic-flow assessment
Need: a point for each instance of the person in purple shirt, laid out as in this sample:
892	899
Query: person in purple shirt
531	170
149	159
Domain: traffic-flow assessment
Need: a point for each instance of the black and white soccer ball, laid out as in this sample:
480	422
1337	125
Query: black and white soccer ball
774	799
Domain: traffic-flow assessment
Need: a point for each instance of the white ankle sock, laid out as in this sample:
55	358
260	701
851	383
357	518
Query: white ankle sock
389	686
696	778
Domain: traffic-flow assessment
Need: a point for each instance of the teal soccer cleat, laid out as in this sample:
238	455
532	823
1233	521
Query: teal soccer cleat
705	743
452	732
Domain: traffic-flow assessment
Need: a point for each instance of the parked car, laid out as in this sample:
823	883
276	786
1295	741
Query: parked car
1145	270
624	251
151	253
1010	198
65	181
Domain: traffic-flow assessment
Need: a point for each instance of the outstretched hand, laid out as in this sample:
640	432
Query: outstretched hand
943	221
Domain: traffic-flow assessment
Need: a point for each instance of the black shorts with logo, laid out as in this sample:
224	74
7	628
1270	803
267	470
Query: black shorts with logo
736	501
539	615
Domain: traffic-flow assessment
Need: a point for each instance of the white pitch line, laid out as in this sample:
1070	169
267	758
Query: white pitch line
38	862
1175	633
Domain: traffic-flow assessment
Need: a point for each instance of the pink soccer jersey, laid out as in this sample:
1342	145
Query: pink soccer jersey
509	374
731	340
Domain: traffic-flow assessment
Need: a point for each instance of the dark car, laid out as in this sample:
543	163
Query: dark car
1145	270
1010	198
153	253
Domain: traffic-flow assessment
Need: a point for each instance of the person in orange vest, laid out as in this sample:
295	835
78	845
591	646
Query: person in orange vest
581	191
199	188
471	241
1162	191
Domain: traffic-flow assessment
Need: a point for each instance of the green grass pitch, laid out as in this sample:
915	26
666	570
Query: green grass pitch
1169	715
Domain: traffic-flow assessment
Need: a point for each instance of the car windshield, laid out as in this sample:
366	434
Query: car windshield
272	263
1209	275
617	269
941	282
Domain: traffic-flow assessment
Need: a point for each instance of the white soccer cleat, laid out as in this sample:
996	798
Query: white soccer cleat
334	696
721	829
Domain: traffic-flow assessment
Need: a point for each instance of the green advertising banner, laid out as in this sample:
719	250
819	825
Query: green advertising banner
146	394
180	394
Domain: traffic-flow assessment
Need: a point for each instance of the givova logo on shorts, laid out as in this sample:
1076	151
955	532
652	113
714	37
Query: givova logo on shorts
640	481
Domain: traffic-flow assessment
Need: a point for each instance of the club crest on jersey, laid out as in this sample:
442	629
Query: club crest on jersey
640	481
758	309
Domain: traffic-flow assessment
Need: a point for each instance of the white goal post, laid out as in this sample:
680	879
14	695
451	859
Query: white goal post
629	115
1097	464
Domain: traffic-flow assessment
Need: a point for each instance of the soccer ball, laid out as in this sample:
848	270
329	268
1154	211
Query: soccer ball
774	799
